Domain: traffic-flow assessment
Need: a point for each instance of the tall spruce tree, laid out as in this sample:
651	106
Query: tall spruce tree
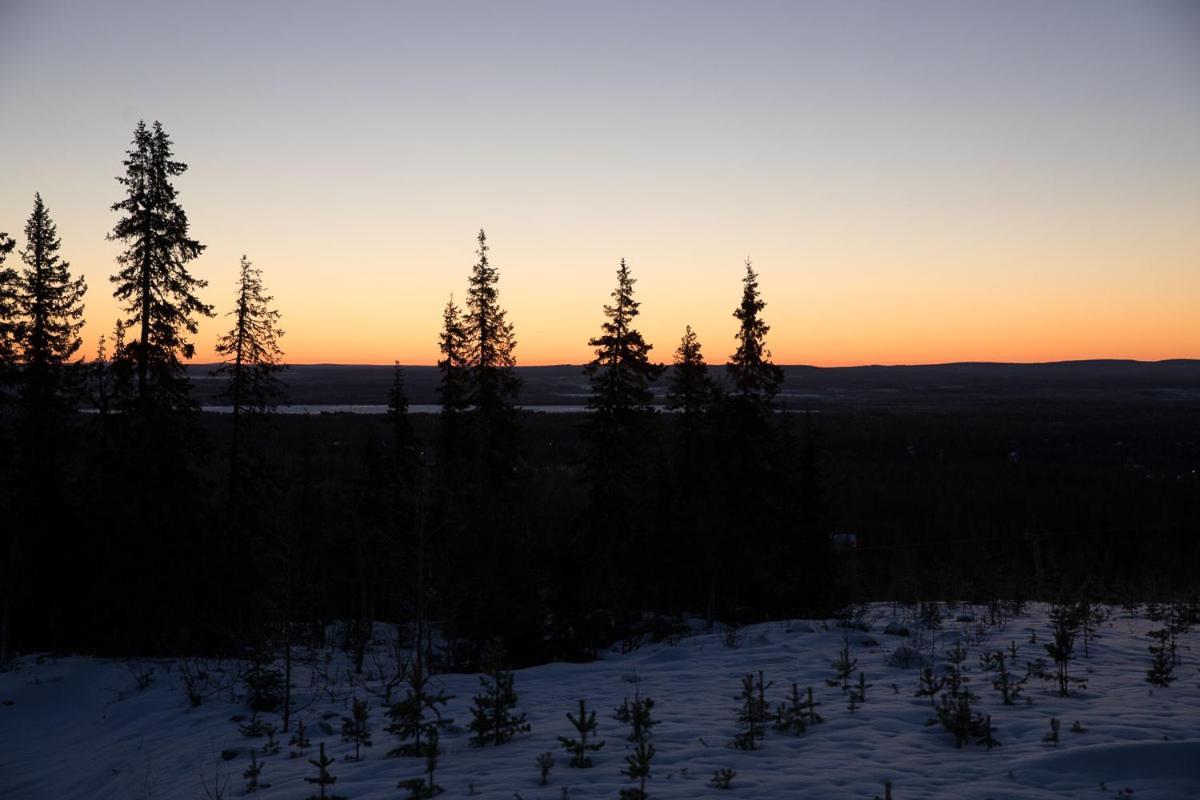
617	432
749	458
161	444
9	286
453	394
620	403
478	489
8	567
153	282
489	338
621	371
49	314
693	396
251	358
493	383
756	380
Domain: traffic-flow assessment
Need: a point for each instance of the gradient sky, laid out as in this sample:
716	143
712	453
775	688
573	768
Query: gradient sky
915	181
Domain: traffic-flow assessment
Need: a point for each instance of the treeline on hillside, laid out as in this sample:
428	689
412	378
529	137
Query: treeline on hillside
120	537
135	530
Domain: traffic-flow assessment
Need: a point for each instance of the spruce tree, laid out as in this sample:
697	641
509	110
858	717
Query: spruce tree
153	282
493	721
757	539
453	387
9	289
585	726
844	667
251	356
1061	648
356	728
406	448
616	432
637	769
620	402
416	719
791	716
752	714
954	710
252	772
427	787
493	382
690	390
635	712
621	371
544	762
1162	665
299	741
49	310
41	313
1006	682
756	380
692	396
323	779
930	684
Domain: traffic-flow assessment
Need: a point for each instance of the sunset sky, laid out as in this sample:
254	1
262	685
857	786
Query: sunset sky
915	181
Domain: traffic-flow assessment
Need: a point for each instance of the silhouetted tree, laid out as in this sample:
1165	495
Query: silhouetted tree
692	395
493	383
9	287
690	391
481	533
453	387
621	372
8	296
752	464
252	358
617	434
49	315
161	448
756	380
158	292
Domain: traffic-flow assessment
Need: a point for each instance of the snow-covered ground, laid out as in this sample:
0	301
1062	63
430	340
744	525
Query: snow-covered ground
81	728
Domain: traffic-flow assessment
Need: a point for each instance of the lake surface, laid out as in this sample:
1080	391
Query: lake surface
416	408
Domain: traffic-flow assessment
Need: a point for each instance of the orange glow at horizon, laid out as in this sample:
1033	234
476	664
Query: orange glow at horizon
916	183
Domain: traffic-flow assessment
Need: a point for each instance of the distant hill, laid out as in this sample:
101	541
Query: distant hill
804	386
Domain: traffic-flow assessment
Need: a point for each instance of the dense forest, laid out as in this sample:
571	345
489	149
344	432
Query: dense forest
134	524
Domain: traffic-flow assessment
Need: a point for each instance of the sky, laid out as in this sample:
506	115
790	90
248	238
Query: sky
916	182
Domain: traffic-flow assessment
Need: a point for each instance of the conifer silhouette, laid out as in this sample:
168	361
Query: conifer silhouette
9	289
153	282
251	356
49	309
756	380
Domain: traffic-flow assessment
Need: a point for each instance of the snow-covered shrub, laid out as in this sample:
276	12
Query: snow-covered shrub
723	778
906	656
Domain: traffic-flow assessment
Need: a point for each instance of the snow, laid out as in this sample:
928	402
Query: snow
81	728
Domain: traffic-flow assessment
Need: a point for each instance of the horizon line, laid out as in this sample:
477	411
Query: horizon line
560	364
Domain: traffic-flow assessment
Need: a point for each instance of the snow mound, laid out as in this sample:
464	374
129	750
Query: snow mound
1156	769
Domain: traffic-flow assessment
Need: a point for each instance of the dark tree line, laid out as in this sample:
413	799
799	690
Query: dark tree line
144	526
